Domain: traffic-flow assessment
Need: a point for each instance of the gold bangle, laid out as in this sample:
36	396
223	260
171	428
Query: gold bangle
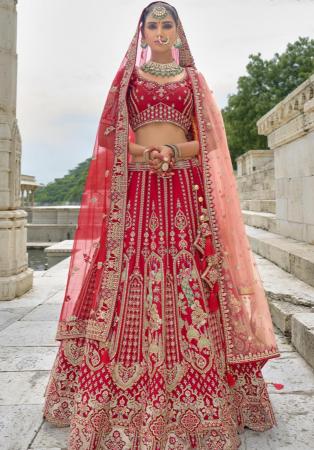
176	151
147	152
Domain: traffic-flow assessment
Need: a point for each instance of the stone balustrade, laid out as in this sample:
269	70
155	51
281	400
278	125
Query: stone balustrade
289	128
290	119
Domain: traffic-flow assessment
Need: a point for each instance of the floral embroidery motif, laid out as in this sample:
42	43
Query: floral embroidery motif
159	381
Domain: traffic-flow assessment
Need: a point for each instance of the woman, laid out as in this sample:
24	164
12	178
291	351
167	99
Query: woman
165	325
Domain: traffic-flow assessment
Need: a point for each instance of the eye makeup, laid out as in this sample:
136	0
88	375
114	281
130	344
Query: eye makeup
152	26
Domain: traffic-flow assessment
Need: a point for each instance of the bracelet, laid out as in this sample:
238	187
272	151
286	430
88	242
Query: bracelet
146	154
176	150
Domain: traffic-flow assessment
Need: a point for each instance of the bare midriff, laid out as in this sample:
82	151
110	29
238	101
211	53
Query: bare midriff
158	133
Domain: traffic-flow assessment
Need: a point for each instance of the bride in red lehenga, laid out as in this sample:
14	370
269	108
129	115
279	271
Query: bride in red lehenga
164	326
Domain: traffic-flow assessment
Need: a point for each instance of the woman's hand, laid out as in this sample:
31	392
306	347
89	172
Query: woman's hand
154	156
160	154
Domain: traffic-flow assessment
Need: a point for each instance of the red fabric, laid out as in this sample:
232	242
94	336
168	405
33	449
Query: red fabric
277	386
230	379
163	382
213	299
149	101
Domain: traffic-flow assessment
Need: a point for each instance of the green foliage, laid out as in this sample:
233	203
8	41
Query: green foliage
66	190
267	83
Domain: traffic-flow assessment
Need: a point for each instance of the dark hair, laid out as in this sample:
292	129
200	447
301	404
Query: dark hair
170	9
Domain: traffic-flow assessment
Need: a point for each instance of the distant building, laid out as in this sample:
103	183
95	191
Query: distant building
28	187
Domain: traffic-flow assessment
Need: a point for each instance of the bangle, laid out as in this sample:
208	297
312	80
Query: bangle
176	151
146	154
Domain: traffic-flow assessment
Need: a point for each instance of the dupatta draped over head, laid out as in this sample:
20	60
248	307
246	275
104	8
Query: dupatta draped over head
96	258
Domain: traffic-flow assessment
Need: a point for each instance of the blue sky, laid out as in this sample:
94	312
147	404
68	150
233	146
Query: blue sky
69	51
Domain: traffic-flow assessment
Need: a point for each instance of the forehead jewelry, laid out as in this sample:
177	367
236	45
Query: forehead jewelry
159	12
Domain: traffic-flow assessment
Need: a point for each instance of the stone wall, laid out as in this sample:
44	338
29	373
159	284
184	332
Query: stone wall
289	127
51	223
255	181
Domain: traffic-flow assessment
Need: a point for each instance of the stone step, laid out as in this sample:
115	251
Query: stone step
247	185
291	303
282	313
39	244
264	220
249	188
302	335
295	257
259	205
260	177
252	179
58	251
259	194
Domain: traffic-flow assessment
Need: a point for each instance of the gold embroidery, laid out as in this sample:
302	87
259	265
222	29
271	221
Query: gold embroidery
108	130
73	352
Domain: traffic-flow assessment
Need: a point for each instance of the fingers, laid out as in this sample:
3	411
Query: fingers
159	156
155	163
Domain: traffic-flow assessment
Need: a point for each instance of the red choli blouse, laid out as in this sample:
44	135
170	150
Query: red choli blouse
150	101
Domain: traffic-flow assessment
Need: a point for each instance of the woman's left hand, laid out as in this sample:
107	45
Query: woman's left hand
165	154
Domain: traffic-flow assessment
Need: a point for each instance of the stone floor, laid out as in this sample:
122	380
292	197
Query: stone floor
28	348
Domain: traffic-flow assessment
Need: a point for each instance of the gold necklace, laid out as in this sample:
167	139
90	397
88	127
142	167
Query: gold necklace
162	69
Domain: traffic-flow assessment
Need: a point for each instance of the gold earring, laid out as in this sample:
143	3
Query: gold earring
143	44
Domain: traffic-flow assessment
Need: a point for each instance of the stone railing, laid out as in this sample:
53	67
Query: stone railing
289	128
291	118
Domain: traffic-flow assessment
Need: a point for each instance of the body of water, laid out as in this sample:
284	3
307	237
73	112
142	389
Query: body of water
37	259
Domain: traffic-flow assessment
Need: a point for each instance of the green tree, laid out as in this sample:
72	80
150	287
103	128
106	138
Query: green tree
64	190
267	83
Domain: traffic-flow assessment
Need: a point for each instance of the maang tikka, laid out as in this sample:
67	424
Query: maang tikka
159	12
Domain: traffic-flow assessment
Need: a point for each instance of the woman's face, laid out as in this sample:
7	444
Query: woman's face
156	30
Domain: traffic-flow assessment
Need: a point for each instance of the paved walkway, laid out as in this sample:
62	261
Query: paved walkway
28	348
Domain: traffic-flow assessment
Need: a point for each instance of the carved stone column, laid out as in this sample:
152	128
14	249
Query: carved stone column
16	277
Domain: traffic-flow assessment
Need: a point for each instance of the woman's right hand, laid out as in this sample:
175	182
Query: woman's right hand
154	161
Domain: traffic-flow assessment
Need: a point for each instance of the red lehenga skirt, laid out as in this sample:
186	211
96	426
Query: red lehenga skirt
165	384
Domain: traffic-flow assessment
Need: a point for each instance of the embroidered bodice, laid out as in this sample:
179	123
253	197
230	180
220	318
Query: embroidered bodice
150	101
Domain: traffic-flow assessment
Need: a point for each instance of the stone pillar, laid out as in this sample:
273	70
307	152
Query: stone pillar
289	128
16	277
